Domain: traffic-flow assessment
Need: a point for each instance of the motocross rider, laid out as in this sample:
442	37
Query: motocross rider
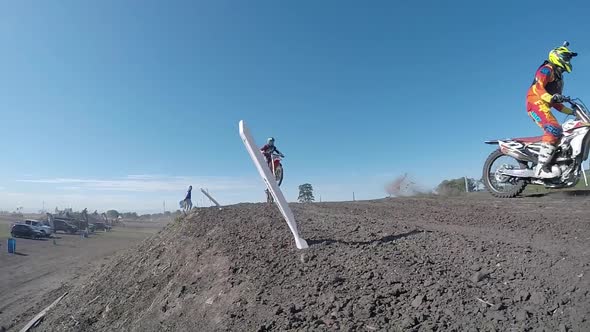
268	149
544	93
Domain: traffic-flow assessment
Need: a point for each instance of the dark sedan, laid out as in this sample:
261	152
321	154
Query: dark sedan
24	230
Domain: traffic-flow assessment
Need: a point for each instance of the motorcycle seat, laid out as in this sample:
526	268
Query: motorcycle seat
528	140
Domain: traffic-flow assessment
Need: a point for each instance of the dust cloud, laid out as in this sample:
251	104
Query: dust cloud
404	186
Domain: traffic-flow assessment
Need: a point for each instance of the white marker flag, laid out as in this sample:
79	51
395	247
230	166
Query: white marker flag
271	184
210	197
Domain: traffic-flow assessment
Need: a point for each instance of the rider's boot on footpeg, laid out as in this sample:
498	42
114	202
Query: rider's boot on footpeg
545	155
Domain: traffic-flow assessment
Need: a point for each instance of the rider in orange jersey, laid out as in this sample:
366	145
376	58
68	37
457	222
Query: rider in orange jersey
544	93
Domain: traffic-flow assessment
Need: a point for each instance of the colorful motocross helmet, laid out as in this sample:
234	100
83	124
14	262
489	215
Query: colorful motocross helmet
271	141
561	57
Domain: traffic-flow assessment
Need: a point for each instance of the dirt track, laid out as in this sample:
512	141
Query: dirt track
41	270
412	264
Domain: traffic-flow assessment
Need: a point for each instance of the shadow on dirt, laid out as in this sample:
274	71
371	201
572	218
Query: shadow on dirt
383	240
558	194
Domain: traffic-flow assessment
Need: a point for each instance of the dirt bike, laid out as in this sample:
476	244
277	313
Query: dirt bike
277	170
510	177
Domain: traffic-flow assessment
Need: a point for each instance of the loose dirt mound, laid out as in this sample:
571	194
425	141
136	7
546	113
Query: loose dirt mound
430	264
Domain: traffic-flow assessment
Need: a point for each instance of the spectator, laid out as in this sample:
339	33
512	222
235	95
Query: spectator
187	204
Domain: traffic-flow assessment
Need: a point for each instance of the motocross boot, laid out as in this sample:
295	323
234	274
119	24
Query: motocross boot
542	170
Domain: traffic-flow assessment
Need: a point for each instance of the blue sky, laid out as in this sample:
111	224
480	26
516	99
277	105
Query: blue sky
122	104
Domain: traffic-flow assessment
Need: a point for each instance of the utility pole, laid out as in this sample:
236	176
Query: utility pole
466	185
164	206
353	198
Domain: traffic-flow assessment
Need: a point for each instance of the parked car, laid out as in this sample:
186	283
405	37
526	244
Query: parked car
40	226
64	226
24	230
101	226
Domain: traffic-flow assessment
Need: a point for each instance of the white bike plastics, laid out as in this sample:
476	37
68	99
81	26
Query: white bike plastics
575	135
271	184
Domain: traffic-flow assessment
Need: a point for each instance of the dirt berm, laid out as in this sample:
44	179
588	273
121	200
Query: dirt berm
468	263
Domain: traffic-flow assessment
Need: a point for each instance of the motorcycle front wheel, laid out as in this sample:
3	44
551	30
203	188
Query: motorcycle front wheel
279	174
499	185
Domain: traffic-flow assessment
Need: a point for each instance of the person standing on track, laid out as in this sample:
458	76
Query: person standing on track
187	204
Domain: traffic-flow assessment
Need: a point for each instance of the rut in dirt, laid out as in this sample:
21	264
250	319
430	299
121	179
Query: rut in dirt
420	264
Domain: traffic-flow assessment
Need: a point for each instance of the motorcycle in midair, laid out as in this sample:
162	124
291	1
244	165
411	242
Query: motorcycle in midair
277	170
510	168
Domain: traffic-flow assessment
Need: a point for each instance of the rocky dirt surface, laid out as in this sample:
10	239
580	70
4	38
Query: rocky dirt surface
468	263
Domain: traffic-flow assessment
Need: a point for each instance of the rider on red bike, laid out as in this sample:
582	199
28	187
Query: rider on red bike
268	149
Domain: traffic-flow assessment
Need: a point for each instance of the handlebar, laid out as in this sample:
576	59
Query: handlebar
570	100
580	110
274	154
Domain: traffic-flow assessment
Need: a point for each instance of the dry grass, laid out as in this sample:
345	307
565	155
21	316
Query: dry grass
4	231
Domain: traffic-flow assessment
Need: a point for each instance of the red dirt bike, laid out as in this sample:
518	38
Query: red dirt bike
277	170
518	158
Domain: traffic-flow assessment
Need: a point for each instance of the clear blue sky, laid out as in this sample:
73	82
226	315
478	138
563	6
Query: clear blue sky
122	104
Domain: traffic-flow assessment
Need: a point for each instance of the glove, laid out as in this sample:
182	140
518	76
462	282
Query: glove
557	98
282	155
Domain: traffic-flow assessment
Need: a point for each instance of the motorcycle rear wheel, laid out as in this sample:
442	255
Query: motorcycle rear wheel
508	189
